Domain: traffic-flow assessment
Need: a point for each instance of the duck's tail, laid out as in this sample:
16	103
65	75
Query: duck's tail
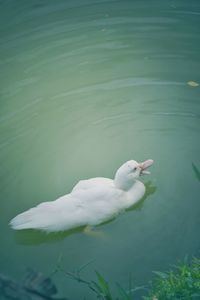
40	217
48	216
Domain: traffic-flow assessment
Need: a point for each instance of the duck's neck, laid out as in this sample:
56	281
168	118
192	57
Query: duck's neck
123	183
134	191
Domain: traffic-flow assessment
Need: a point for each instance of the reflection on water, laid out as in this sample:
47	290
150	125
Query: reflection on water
36	237
86	86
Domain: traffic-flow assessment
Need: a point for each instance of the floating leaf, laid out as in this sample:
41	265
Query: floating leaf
193	83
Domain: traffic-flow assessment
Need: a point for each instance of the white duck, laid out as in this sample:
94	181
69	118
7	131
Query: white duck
90	203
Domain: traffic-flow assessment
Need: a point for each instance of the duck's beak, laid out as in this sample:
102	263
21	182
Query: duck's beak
144	165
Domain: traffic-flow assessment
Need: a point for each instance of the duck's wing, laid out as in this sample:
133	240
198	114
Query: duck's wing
82	207
98	204
92	183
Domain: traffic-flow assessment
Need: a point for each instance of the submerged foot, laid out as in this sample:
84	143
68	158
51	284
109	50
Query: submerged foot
89	230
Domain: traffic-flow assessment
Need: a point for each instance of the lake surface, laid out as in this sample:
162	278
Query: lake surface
85	86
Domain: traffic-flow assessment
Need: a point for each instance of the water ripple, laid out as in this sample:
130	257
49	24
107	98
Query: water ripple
177	114
17	111
118	84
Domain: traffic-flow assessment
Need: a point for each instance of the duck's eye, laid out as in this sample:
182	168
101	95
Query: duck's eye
135	169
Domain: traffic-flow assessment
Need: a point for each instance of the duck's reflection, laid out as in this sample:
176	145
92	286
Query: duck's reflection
34	237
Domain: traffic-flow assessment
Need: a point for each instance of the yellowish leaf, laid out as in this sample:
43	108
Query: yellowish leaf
193	83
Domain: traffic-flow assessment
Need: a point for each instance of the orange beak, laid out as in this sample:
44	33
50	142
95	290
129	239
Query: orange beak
144	165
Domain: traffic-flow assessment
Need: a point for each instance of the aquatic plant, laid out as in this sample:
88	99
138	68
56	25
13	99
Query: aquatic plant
196	171
183	282
100	287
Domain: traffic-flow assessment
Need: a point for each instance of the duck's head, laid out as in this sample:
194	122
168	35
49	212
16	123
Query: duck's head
129	172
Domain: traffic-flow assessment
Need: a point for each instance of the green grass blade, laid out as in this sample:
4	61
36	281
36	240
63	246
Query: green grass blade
104	287
196	171
124	294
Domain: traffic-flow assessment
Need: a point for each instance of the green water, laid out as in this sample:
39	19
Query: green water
85	86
